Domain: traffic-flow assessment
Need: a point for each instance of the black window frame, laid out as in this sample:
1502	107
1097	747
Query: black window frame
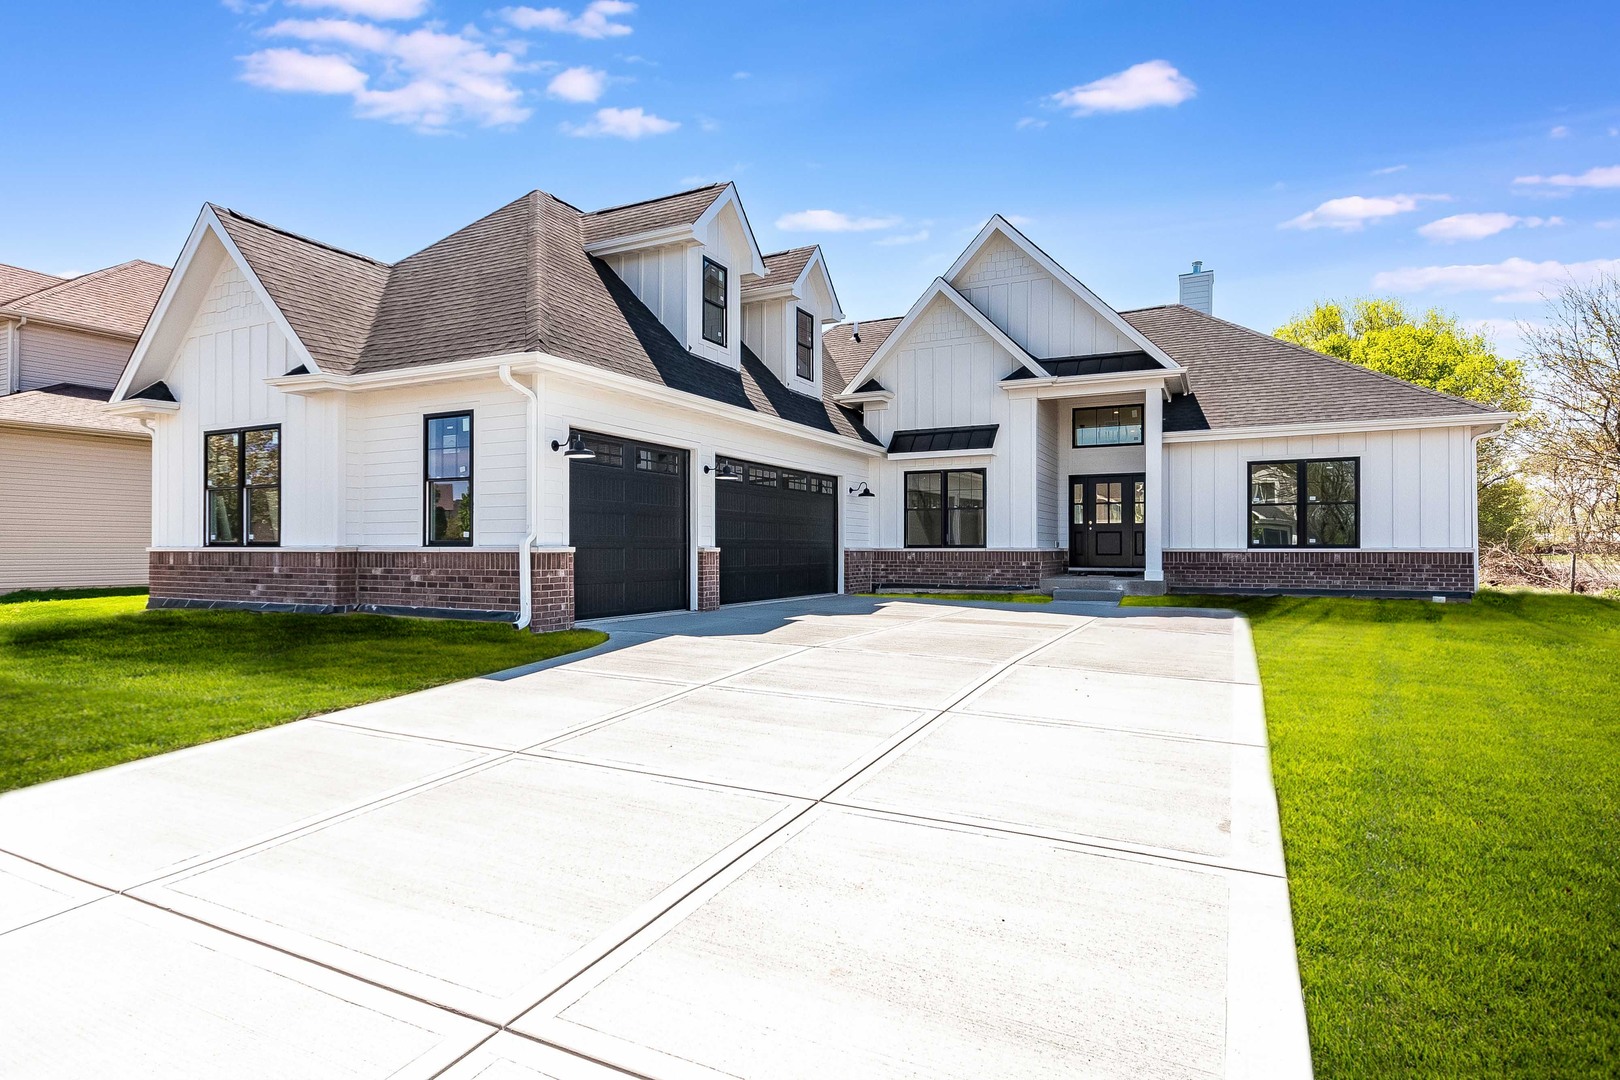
429	480
804	345
1301	504
946	540
1074	426
244	505
722	305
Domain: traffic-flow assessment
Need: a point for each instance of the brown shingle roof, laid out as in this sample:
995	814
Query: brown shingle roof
1242	378
67	406
516	280
17	282
849	355
117	300
682	208
781	268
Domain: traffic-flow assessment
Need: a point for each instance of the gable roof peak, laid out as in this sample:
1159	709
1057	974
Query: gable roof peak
289	234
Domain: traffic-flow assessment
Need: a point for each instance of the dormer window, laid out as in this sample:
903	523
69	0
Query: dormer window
714	302
805	360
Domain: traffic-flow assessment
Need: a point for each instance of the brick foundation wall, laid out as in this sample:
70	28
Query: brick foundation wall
869	569
442	582
708	579
1424	572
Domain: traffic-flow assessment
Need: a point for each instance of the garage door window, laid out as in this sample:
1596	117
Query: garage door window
242	478
659	461
945	509
448	474
609	454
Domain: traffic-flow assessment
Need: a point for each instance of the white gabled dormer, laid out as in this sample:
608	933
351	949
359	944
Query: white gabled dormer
685	256
783	315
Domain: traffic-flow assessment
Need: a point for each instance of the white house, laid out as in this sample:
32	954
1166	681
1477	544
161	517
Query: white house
555	414
75	495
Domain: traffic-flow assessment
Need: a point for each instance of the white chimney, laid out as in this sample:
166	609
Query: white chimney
1198	289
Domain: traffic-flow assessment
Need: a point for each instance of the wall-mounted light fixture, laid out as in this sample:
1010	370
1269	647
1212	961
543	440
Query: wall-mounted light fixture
728	471
861	491
574	449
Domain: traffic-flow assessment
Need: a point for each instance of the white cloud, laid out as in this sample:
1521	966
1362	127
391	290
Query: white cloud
1140	86
357	35
1611	223
1602	177
292	71
596	21
902	238
742	74
1558	132
1351	213
622	124
1026	122
1478	226
370	9
1511	280
1389	170
578	84
832	221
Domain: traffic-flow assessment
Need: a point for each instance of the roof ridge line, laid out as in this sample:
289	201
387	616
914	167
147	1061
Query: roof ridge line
310	240
656	198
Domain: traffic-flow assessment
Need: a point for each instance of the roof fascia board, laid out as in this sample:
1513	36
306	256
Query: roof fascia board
729	197
941	287
921	455
294	343
884	396
802	283
999	224
1279	431
73	429
1080	385
669	234
141	407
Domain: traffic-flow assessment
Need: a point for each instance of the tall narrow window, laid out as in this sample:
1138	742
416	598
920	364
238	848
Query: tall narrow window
1304	503
242	487
448	472
805	362
714	302
945	509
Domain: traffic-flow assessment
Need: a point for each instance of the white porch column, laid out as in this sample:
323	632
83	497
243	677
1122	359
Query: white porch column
1153	446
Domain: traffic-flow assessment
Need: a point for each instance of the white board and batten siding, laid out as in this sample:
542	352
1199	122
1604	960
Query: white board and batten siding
219	372
1417	487
78	510
658	276
1032	307
49	355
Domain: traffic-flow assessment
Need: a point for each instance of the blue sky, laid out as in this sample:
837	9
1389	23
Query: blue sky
1460	155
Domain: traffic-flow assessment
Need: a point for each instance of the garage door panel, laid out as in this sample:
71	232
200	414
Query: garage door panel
628	525
777	531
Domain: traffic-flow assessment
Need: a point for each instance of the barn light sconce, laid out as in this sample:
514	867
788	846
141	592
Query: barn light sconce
727	471
574	449
861	491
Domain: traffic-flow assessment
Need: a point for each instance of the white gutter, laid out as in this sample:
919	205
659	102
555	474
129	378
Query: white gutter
531	466
1334	427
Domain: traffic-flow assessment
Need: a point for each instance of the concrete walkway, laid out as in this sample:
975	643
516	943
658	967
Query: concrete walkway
828	837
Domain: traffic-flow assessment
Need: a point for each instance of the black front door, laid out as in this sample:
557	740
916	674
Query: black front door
1106	516
627	523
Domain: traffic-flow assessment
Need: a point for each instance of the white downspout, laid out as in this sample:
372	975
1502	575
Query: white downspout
532	466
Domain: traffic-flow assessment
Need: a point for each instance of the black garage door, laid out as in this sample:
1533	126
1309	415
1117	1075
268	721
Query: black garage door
777	530
627	522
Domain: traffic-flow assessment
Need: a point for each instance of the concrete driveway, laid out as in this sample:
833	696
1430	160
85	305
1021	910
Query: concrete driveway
830	837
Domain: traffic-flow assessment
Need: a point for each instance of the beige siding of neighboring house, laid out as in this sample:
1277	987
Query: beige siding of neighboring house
75	510
51	355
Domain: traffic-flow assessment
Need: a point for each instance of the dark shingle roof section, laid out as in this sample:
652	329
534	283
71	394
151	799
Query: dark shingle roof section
17	282
66	405
329	296
517	280
850	345
933	440
871	386
116	300
682	208
1242	378
1096	364
781	268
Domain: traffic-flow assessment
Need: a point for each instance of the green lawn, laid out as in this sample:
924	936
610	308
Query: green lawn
95	680
1449	781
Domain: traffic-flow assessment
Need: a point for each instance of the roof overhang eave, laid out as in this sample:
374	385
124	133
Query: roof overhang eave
73	429
1494	421
1054	386
139	407
669	234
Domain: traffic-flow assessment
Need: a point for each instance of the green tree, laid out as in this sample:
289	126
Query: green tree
1434	350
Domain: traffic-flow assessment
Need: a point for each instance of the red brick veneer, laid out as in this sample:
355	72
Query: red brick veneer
253	577
708	579
551	591
1425	572
966	568
446	579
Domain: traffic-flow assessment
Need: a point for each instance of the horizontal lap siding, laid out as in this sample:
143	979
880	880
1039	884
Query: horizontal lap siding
52	355
76	510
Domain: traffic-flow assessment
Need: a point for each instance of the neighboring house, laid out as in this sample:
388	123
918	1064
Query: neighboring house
560	414
75	481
